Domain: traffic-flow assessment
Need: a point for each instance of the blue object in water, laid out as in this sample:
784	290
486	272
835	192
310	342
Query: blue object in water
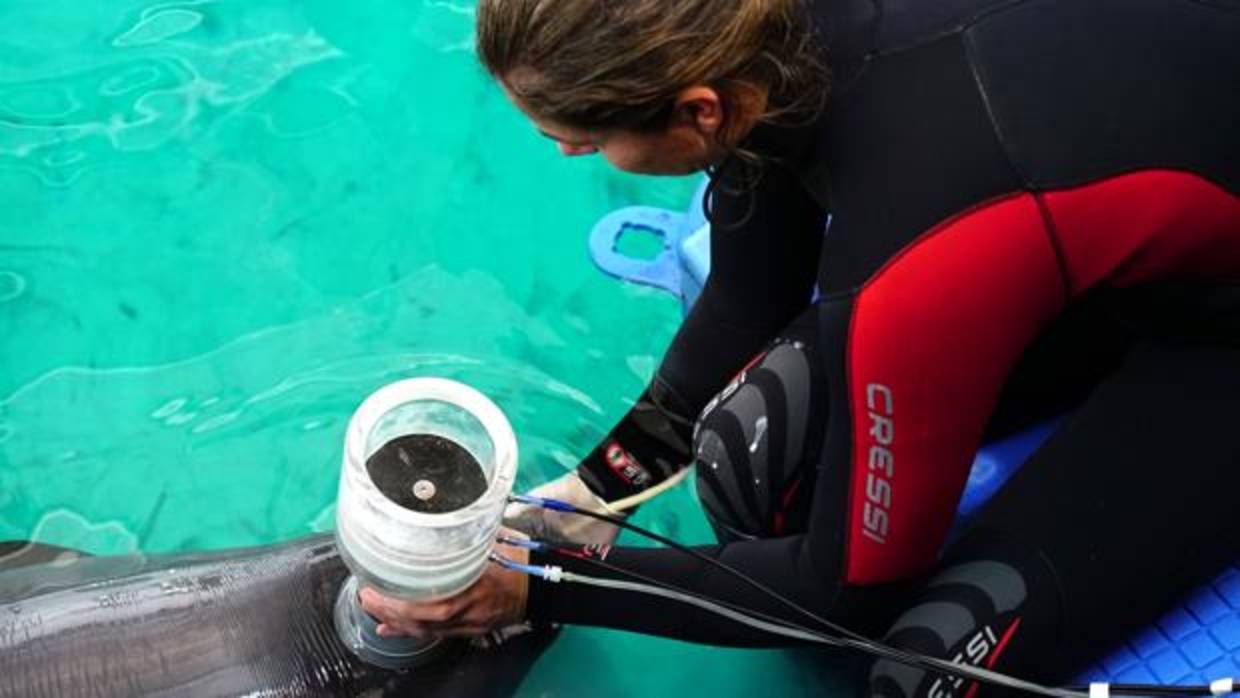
681	266
1197	642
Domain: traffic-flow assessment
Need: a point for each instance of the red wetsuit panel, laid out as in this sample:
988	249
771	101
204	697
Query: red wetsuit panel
940	326
936	332
1155	224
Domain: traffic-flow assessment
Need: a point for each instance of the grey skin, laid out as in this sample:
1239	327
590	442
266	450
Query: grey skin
252	622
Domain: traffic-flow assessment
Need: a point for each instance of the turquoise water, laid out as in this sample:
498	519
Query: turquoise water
227	222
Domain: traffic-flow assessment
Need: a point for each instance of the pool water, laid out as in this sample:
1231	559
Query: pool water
227	222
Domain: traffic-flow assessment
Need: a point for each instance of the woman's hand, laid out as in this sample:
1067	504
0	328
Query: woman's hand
543	524
495	601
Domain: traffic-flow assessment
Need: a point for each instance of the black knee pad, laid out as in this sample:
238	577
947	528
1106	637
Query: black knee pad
756	443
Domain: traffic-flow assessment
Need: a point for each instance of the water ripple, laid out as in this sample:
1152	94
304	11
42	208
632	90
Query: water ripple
259	421
38	102
12	285
63	159
129	80
451	29
70	529
169	408
157	82
215	422
158	26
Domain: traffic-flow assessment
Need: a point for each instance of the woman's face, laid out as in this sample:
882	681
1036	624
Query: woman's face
683	147
666	152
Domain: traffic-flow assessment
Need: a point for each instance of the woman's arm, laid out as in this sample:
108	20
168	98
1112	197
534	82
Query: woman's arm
764	260
913	363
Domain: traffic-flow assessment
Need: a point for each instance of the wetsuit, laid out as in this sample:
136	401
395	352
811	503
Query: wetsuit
1033	210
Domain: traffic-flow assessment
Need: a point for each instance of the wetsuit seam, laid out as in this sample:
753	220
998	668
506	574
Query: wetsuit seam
1052	236
975	70
960	28
875	54
933	231
1090	177
840	295
967	24
1231	6
1062	594
850	439
880	13
871	51
940	226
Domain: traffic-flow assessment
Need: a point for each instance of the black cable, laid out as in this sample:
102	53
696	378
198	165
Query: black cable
913	660
858	641
598	562
726	568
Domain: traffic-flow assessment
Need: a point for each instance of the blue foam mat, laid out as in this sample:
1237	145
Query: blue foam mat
1196	641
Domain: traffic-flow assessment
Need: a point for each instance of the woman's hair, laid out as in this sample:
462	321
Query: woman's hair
621	63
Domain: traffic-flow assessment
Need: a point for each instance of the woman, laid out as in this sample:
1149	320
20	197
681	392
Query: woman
1033	208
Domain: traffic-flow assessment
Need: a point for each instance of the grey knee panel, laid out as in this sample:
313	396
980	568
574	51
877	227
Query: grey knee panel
750	442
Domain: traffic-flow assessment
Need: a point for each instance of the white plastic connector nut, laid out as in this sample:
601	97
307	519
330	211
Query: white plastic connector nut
1099	690
1222	687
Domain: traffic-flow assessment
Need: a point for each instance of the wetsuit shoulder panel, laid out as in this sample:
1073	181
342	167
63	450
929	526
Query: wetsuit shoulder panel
1085	90
905	147
1027	95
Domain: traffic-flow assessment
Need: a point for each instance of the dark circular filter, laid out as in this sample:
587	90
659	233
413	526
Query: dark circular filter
427	473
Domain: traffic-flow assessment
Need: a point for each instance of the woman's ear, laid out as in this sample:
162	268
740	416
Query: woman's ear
700	108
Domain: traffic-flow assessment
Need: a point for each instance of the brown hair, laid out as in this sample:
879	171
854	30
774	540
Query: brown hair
621	63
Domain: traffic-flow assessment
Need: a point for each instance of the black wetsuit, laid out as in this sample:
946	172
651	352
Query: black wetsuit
1034	209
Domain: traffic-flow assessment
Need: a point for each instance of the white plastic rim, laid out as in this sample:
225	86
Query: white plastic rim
418	555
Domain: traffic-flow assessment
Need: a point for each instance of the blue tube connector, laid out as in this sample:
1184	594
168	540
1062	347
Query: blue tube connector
534	545
552	504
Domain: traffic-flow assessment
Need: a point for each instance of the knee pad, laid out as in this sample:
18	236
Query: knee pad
997	608
756	443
